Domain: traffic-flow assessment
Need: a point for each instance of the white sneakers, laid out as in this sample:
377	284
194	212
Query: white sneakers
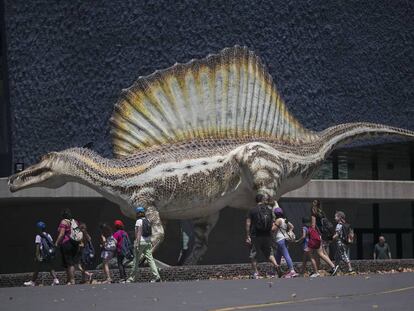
29	283
315	275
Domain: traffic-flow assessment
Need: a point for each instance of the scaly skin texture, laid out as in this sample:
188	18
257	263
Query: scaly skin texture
194	180
195	138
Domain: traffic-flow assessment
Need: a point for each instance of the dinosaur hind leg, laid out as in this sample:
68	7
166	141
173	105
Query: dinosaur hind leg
202	229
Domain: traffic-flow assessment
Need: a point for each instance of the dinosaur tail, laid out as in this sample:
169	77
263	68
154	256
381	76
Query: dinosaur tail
338	135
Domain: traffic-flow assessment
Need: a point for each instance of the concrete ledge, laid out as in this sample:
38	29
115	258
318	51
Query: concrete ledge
191	273
323	189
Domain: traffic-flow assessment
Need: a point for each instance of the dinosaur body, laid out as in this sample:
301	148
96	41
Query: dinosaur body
198	137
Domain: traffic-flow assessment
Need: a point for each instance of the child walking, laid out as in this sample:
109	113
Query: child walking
108	245
307	252
124	248
341	239
44	254
86	253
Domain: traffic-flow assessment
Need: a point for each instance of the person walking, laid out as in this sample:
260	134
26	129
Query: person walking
143	247
319	245
44	254
259	227
324	226
307	251
68	241
341	239
382	249
86	254
124	249
282	231
108	249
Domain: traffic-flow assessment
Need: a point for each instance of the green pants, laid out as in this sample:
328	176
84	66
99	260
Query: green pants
144	249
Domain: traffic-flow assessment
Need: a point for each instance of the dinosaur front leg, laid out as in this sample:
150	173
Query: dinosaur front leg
202	229
157	228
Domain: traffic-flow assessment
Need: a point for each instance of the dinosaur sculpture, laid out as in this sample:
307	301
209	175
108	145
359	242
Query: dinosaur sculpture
195	138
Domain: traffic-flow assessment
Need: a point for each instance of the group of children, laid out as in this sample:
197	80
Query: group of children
114	243
317	233
316	241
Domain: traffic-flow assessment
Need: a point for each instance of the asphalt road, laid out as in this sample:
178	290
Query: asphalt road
350	293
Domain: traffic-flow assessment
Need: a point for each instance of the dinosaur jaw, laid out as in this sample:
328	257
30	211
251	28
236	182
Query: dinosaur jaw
34	176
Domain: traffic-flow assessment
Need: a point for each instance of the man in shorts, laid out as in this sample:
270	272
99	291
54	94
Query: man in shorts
259	226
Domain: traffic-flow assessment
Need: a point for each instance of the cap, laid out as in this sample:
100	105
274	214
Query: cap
278	211
41	225
118	224
139	209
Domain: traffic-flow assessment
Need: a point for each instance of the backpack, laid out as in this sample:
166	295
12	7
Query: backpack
88	253
314	241
146	228
110	244
126	247
264	219
327	229
348	235
47	249
75	232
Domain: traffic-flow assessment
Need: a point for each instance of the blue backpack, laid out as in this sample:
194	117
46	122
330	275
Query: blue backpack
47	249
126	247
88	253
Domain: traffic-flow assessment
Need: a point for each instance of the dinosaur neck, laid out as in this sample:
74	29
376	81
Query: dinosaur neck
102	174
336	136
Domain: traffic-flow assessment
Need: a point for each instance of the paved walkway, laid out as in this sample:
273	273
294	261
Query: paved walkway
363	292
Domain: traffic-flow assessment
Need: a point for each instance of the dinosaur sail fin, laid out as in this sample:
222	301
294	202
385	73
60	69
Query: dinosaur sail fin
229	95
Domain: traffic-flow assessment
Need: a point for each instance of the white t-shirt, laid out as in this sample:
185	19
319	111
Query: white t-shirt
38	239
281	232
139	224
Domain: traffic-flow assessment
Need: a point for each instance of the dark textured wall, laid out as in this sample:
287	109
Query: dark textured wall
333	61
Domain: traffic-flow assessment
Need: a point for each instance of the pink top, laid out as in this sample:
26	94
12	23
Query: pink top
65	225
118	237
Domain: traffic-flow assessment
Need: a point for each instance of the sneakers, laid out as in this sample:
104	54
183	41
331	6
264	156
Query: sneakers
255	276
129	280
315	275
55	282
334	270
157	280
290	274
29	283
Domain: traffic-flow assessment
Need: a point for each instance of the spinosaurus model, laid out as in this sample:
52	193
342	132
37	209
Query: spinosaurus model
195	138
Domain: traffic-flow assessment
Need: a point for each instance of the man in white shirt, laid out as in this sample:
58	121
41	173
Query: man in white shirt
143	247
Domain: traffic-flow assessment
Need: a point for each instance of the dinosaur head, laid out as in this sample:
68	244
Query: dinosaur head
46	173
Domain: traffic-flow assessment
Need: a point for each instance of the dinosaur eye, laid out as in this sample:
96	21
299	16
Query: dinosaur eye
204	163
169	170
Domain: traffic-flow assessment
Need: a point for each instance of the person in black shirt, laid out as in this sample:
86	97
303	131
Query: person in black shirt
259	226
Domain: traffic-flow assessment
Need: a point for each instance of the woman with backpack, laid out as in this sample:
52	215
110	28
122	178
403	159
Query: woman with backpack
283	232
315	241
87	253
321	223
108	246
44	254
68	242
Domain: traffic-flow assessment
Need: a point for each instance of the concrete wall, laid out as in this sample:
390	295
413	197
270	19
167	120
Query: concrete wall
333	61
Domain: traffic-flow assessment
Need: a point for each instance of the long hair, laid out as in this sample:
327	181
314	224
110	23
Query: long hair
106	230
